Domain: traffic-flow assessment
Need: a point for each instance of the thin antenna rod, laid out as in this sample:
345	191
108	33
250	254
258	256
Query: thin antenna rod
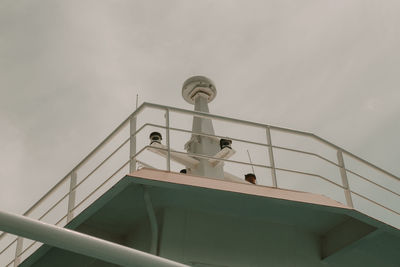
252	167
137	100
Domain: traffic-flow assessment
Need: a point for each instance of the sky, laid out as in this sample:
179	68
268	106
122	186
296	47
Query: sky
70	72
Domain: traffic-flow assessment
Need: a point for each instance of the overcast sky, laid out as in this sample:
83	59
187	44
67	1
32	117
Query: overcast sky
70	72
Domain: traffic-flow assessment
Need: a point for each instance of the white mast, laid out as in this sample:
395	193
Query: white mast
199	91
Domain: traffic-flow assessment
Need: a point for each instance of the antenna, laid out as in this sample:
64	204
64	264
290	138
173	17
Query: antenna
137	100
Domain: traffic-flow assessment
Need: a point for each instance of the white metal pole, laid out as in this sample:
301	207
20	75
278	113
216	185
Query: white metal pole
271	158
345	181
132	144
71	196
168	140
18	251
80	243
251	162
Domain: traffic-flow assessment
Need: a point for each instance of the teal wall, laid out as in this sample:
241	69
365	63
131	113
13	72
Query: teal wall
205	239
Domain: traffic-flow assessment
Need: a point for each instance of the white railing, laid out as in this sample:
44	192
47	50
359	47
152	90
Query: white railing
357	183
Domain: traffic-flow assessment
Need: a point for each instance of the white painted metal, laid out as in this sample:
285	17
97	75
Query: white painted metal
345	182
196	84
80	243
233	178
251	162
203	115
132	143
224	153
162	150
168	140
71	196
214	117
82	162
199	90
145	165
271	157
18	251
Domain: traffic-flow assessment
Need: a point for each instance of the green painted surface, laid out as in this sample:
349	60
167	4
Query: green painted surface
214	240
205	227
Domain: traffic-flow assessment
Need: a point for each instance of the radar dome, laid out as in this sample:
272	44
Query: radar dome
198	84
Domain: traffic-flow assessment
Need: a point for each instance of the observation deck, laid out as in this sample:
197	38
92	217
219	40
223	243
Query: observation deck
305	184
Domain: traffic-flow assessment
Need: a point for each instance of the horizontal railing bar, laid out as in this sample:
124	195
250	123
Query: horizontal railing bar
307	153
378	185
356	157
373	201
372	165
333	163
309	174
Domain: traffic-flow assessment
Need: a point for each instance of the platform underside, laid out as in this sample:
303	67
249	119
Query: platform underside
207	222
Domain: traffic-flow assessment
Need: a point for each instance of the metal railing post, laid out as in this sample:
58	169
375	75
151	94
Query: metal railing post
71	196
18	251
132	144
271	158
345	181
168	140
